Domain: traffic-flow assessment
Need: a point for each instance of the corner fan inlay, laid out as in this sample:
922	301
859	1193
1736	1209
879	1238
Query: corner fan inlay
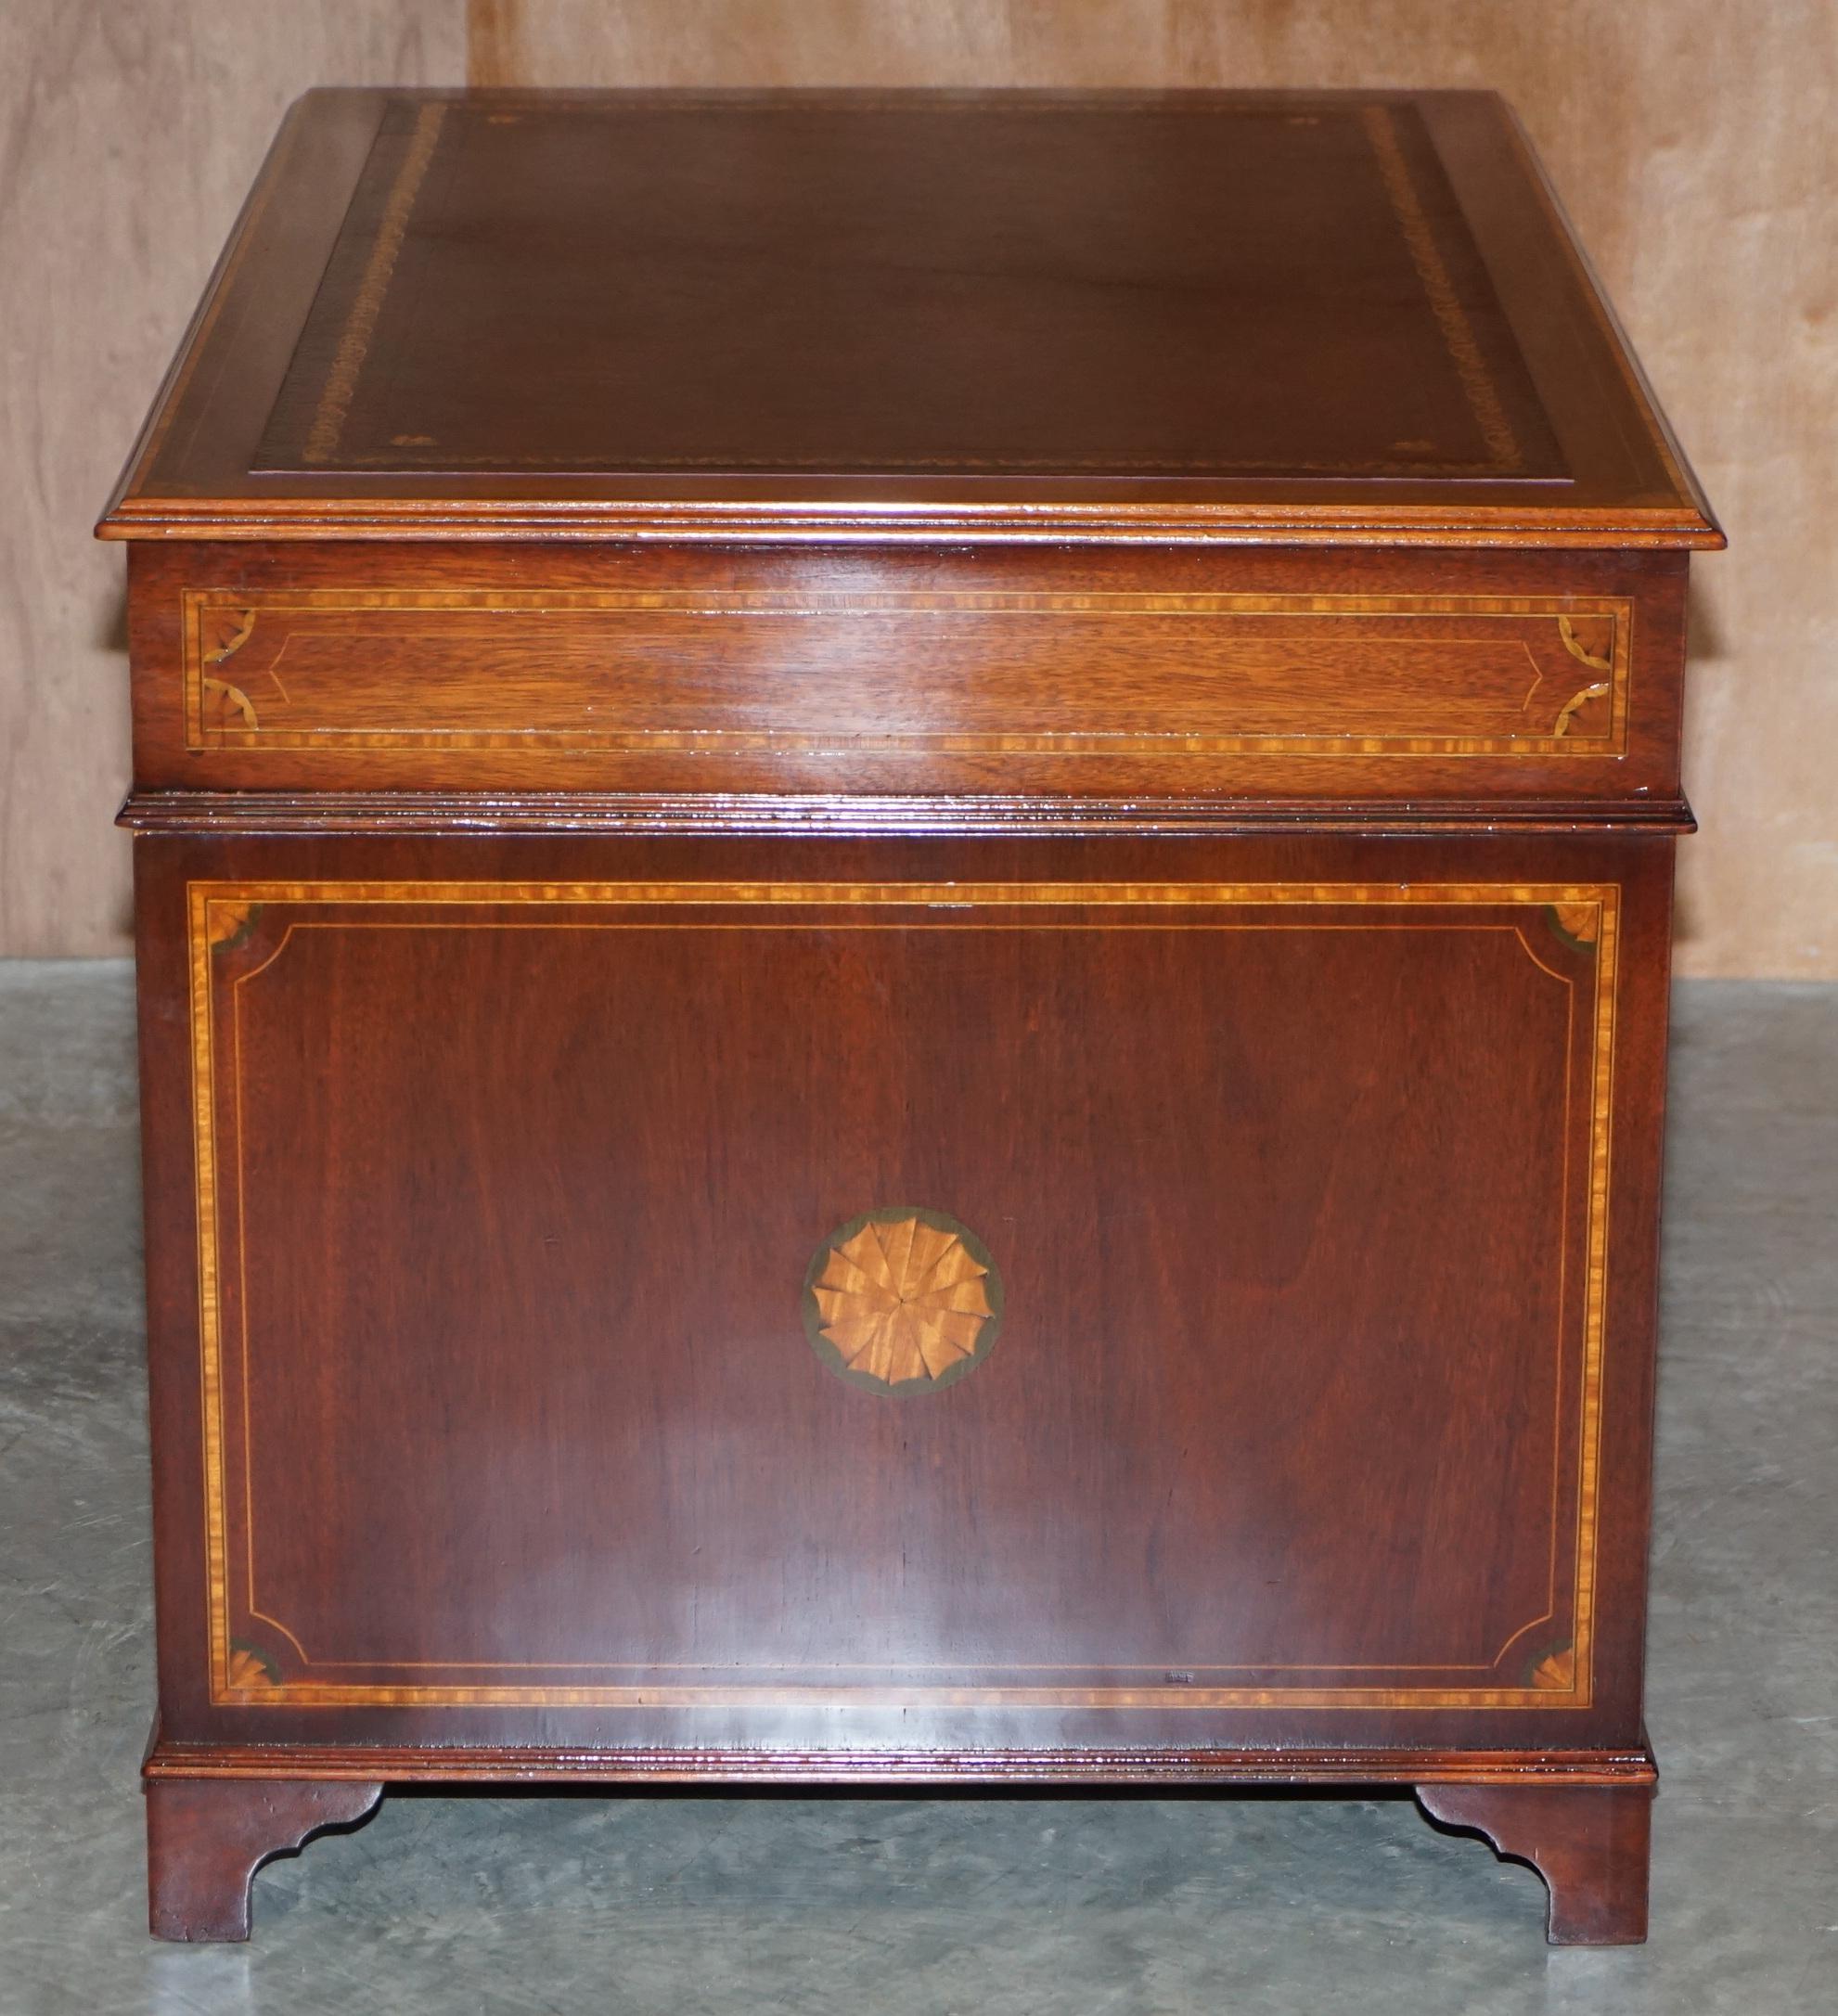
1598	690
902	1300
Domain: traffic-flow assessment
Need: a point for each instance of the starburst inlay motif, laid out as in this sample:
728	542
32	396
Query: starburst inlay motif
902	1299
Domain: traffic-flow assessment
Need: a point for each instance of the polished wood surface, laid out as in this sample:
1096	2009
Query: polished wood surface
1021	1145
1124	1524
1218	1767
1589	1843
207	1837
1193	314
993	672
1016	1034
1501	680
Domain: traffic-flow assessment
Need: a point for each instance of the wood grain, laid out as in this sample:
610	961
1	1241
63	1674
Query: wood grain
1590	1844
913	1095
973	670
1288	674
279	954
206	1839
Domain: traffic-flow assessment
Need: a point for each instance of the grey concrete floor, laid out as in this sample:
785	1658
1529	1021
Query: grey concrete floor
1012	1907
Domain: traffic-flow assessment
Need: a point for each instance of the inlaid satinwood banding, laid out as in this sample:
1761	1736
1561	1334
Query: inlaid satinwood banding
661	671
769	906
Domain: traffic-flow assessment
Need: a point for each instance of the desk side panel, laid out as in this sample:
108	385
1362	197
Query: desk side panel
1309	1189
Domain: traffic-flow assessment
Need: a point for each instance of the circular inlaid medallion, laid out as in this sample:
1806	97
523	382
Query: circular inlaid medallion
902	1301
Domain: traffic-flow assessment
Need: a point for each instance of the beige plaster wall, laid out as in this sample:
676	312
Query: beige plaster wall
1695	142
128	132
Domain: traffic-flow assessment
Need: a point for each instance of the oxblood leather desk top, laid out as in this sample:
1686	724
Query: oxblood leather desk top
904	886
1344	316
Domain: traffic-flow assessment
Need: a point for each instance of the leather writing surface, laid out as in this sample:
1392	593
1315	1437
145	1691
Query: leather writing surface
1001	285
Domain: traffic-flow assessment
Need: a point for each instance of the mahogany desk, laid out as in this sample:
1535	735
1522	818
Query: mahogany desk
903	876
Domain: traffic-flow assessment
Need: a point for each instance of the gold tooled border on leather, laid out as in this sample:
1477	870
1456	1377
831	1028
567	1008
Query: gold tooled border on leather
1378	124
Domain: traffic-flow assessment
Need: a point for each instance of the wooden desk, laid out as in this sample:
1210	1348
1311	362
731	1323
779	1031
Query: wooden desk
904	890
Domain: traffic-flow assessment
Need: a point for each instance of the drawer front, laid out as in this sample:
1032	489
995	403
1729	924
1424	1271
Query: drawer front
911	674
1155	1304
1024	677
